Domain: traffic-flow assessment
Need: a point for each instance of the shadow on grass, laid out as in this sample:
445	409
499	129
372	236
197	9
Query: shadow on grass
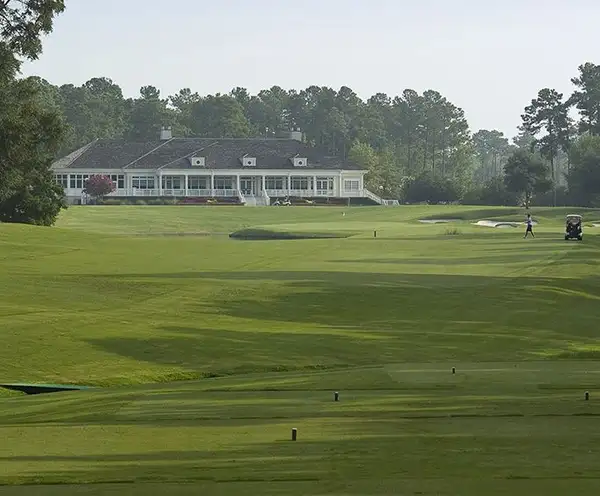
505	259
328	319
222	352
393	450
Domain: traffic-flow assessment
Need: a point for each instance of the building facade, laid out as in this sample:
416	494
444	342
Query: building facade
254	170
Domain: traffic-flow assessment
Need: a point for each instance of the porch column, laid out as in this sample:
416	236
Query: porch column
264	184
315	185
212	184
159	183
289	184
185	186
341	185
237	183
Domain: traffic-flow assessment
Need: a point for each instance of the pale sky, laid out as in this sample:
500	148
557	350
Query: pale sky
488	57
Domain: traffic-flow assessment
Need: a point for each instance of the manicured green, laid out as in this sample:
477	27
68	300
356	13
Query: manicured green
208	350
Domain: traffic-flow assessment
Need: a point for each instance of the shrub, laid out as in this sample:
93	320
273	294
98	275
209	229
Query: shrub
493	192
563	198
112	201
99	186
427	187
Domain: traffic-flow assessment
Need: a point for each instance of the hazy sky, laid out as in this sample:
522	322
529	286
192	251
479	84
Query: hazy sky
488	57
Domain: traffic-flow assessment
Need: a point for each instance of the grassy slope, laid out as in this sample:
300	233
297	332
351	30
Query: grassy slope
397	312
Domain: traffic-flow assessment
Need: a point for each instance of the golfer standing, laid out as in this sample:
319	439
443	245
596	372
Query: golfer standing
529	226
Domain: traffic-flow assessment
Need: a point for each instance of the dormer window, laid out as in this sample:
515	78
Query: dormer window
300	162
249	161
197	161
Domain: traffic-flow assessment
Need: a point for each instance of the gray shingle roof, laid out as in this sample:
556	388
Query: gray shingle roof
219	153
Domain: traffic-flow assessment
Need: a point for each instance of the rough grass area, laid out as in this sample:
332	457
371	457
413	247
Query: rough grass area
211	350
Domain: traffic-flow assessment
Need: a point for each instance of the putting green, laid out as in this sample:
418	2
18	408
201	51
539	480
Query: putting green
211	349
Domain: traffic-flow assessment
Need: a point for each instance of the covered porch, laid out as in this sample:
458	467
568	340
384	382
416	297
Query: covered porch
222	185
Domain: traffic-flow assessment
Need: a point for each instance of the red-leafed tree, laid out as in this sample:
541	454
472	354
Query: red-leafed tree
99	186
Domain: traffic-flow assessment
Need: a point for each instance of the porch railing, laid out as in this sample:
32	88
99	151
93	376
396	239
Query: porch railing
301	193
372	196
179	193
264	195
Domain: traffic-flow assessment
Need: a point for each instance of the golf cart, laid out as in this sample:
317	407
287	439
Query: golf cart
573	227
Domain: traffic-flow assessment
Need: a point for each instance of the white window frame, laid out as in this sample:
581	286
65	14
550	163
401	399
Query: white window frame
324	183
118	180
143	182
351	184
170	182
198	182
62	180
77	181
305	183
224	183
275	182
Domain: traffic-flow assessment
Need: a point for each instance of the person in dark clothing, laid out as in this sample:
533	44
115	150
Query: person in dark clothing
529	223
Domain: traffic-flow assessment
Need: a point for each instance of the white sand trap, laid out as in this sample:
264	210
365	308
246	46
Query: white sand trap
438	221
494	223
595	225
501	224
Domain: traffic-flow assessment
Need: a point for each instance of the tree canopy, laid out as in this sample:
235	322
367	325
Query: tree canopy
525	175
31	125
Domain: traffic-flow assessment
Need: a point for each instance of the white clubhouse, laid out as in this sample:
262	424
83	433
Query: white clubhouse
255	171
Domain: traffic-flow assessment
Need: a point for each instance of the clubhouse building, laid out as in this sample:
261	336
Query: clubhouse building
245	171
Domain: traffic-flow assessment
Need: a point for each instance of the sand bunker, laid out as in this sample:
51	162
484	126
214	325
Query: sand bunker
500	224
595	225
438	221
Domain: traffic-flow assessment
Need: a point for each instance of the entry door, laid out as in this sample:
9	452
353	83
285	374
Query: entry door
247	186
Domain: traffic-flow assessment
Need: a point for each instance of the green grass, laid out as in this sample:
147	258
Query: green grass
215	348
263	234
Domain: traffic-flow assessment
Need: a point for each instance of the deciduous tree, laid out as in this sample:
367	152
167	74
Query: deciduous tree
148	114
98	186
219	116
584	176
526	174
31	129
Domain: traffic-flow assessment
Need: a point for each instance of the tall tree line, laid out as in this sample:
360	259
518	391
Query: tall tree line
426	131
408	137
411	134
563	143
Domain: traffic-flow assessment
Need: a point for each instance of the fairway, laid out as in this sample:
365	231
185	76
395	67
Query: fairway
204	351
